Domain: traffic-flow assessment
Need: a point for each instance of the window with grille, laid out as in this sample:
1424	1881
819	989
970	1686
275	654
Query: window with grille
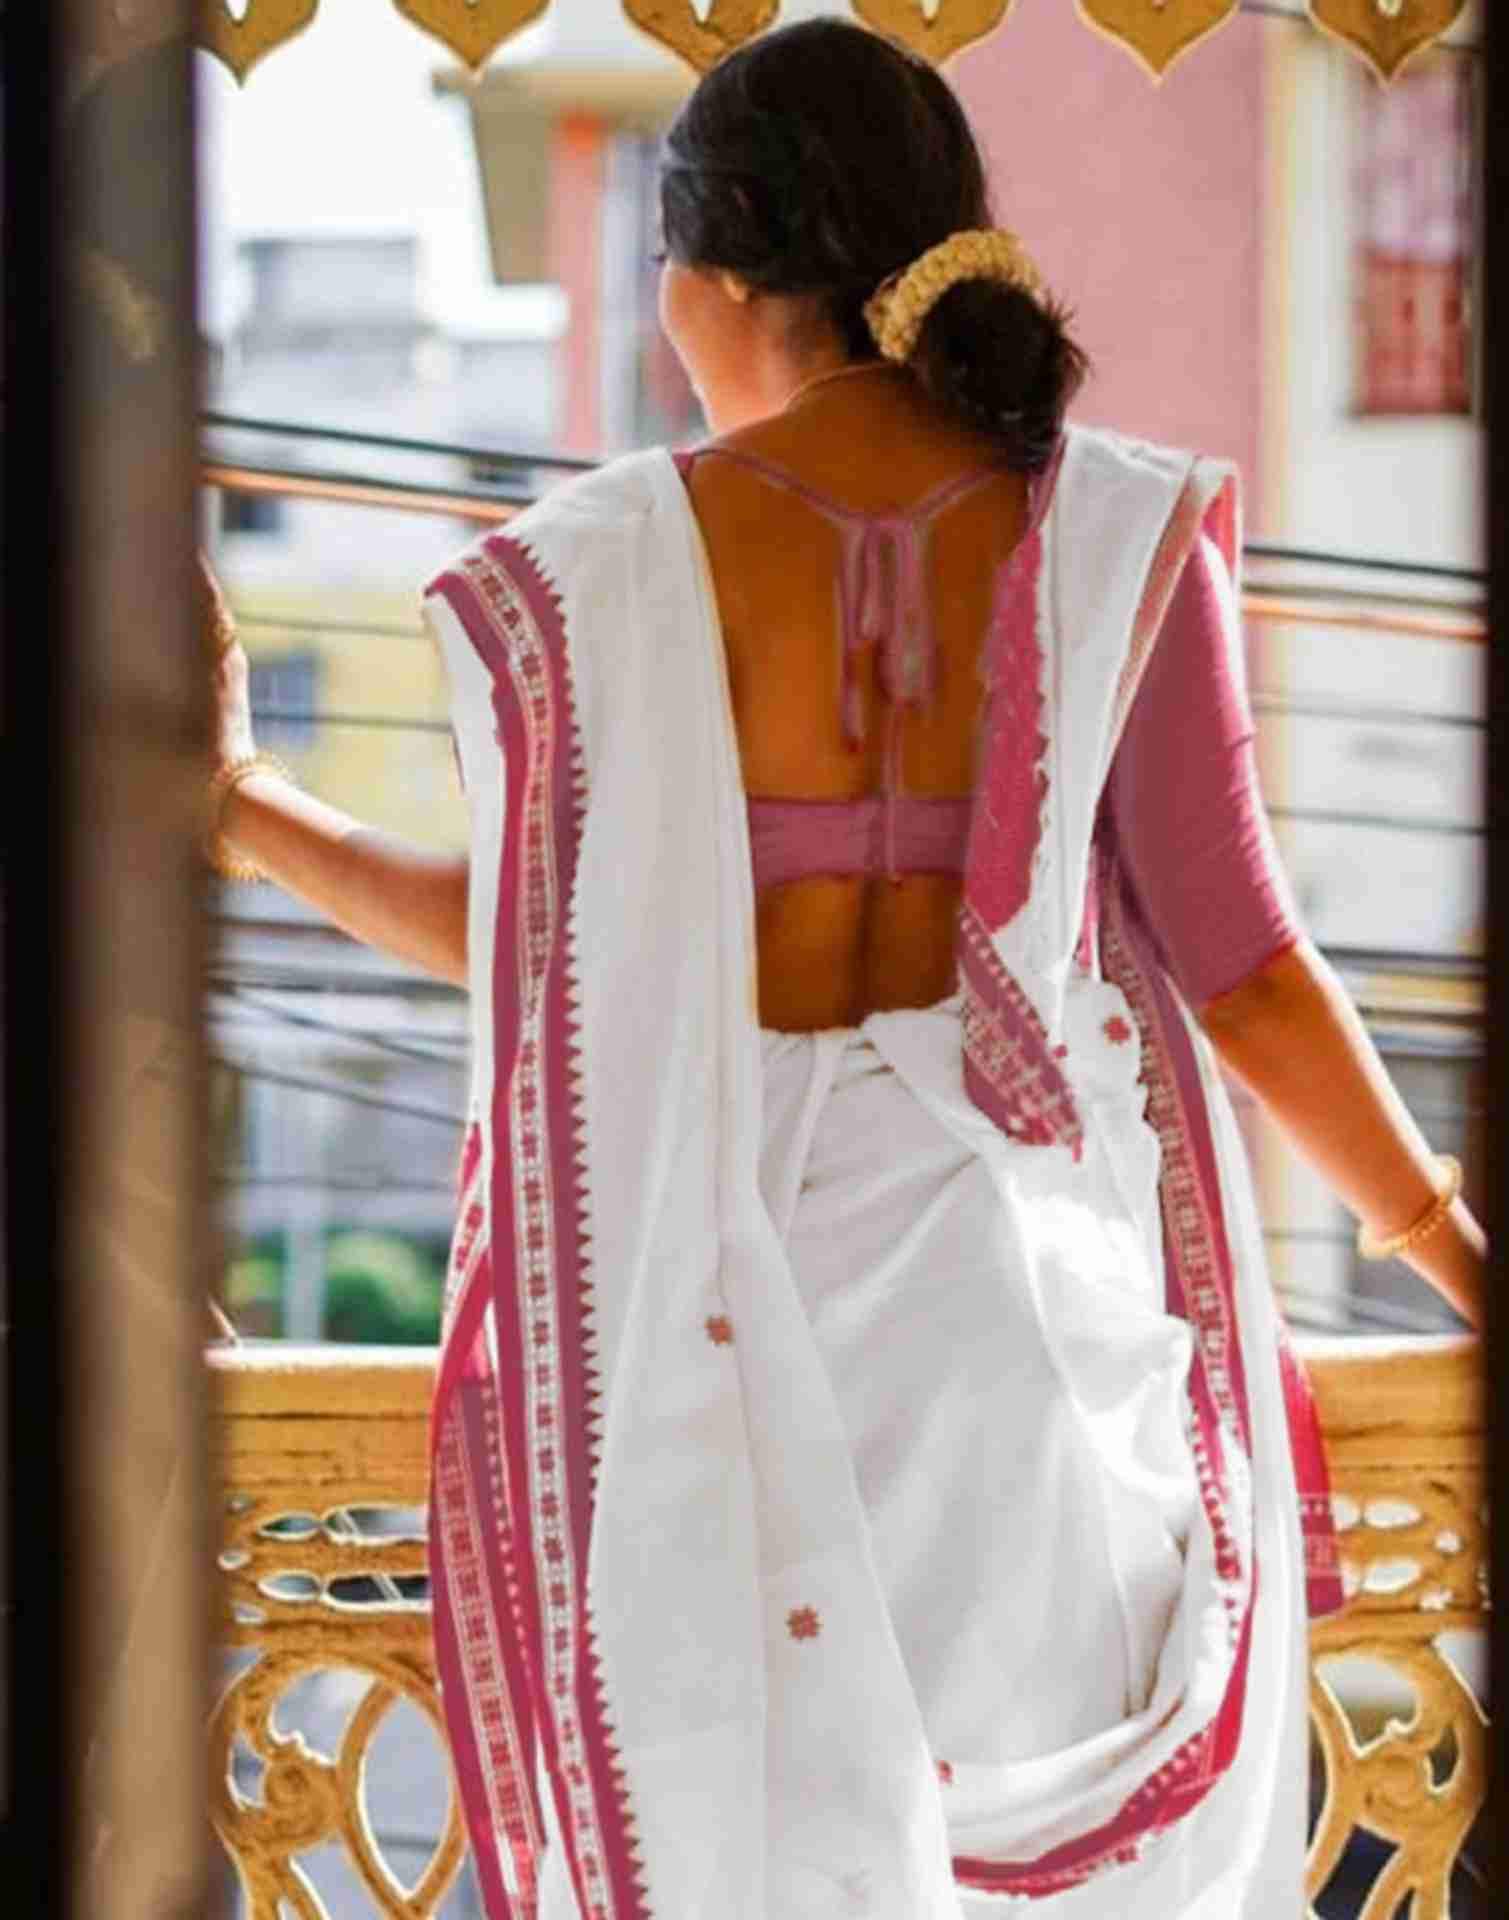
1413	252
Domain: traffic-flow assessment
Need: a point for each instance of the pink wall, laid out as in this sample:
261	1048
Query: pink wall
1142	203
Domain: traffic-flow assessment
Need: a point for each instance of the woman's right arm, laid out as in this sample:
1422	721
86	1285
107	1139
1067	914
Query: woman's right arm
381	889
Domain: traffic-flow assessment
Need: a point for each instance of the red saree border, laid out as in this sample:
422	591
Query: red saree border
479	1656
1323	1589
1012	782
547	1388
1324	1592
468	1250
1010	1070
1201	1276
1220	519
1201	1290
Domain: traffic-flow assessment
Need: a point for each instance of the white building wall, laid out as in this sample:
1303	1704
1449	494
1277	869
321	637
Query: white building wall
1411	489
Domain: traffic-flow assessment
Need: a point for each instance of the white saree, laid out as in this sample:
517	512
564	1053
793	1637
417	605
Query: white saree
868	1476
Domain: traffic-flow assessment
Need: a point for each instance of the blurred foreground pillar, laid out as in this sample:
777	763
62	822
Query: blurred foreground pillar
106	1224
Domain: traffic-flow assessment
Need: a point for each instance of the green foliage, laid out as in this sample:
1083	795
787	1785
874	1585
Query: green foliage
382	1287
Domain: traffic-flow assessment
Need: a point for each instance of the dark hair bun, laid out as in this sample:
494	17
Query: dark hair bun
995	359
820	160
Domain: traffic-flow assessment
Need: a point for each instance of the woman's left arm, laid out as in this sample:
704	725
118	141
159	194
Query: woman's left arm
1291	1034
1189	825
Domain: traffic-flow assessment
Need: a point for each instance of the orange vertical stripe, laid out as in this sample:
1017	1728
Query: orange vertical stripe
578	180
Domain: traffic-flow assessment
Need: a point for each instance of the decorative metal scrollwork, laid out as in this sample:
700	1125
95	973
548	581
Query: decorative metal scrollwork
1157	32
934	34
701	39
1389	1784
264	25
308	1798
472	29
1404	1437
1386	33
314	1589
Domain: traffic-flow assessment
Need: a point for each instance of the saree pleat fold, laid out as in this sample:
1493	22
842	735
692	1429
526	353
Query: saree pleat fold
819	1526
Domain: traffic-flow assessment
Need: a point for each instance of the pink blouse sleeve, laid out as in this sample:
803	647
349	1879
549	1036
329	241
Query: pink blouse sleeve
1183	798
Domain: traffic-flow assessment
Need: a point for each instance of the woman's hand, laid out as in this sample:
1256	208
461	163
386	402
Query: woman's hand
1293	1036
231	737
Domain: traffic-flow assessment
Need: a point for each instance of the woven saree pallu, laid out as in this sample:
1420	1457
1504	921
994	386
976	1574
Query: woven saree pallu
675	1679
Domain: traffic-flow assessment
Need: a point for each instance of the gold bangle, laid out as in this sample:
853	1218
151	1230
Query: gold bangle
1372	1248
234	866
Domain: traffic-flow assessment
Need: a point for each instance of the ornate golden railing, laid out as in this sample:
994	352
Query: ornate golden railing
1404	1433
317	1443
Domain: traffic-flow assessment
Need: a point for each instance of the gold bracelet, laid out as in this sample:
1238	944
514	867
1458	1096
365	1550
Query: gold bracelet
233	866
1396	1243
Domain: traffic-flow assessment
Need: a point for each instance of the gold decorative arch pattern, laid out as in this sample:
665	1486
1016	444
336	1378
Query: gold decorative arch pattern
1384	33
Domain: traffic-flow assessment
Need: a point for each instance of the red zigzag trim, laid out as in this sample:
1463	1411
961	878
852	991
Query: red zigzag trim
550	1436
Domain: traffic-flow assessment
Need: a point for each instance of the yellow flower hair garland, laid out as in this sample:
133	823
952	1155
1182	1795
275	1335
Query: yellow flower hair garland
898	307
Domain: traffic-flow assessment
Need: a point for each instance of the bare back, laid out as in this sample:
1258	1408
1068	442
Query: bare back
833	949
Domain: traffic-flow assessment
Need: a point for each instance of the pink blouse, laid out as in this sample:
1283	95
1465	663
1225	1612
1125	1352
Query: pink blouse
1182	798
1183	803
